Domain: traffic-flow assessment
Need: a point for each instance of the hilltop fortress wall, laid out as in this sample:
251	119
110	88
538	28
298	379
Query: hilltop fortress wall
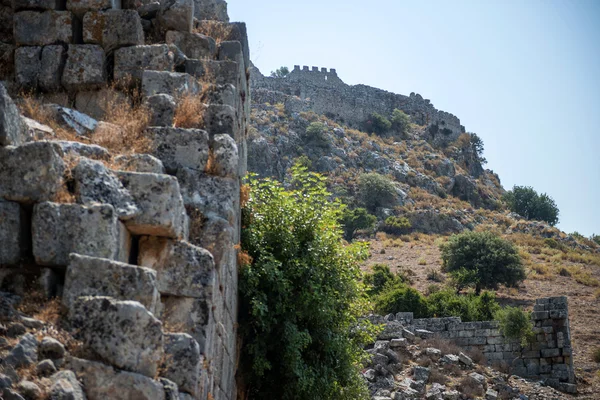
325	93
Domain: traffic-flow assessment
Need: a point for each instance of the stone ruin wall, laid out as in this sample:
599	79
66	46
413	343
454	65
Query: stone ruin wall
149	245
548	357
323	92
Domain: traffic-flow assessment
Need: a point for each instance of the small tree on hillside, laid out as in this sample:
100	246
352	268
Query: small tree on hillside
280	72
482	260
378	124
525	201
375	190
400	121
477	146
353	220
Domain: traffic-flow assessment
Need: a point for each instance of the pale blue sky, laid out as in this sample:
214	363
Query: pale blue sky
523	75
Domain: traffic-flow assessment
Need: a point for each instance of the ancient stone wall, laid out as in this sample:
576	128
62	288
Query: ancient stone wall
549	356
327	94
141	249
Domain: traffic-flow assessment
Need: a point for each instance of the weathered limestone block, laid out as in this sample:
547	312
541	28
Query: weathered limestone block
91	276
212	195
177	15
13	233
162	107
98	102
51	68
102	382
225	154
223	95
218	237
31	173
180	148
28	64
78	149
216	72
65	386
211	10
61	229
235	31
11	128
94	183
82	124
33	28
80	7
191	315
221	119
113	29
183	361
139	163
85	68
193	45
182	268
131	62
175	84
24	354
123	333
159	199
34	5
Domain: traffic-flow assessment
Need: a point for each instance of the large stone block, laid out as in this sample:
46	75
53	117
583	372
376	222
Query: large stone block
162	108
91	276
190	315
175	84
131	62
193	45
183	361
216	72
212	195
211	10
13	233
113	29
102	382
85	68
61	229
28	64
159	199
19	5
94	183
139	163
78	149
182	268
31	173
177	15
11	128
180	148
33	28
123	333
225	156
222	119
98	102
51	69
80	7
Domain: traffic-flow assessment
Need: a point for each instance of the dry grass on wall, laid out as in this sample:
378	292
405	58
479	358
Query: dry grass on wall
220	31
189	112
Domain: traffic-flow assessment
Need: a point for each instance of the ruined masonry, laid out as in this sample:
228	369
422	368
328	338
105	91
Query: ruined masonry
549	356
144	258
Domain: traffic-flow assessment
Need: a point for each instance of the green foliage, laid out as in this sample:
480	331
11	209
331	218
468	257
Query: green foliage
304	161
396	225
380	278
554	244
400	121
353	220
300	297
477	146
378	124
316	133
515	324
470	307
596	239
280	72
401	298
483	260
525	201
375	190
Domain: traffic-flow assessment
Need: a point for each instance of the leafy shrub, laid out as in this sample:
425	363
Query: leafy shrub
477	145
401	298
375	190
378	124
483	260
525	201
447	303
396	225
300	297
353	220
381	277
280	72
596	239
316	134
515	324
434	275
400	121
554	244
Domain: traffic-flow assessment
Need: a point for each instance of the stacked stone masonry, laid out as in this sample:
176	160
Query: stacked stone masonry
144	255
548	357
322	91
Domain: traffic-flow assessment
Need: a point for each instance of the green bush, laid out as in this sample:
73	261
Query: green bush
596	239
396	225
380	278
515	324
378	124
401	298
375	191
353	220
316	134
300	297
526	202
482	260
280	72
400	122
447	303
